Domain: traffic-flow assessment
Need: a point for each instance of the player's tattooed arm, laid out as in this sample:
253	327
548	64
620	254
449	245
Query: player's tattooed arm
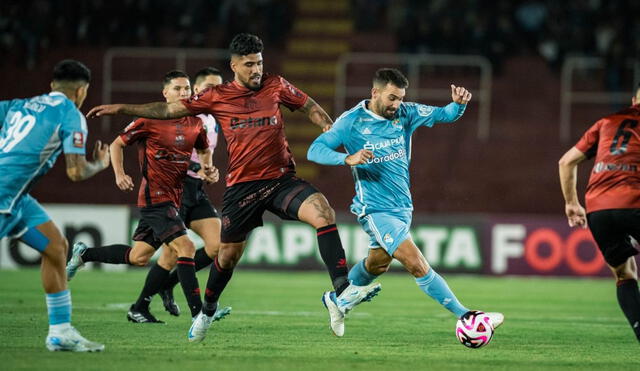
317	114
78	168
155	110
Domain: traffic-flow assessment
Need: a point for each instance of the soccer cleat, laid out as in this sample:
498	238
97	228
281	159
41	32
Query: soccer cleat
495	318
141	316
76	259
199	327
169	302
221	313
354	295
336	316
70	340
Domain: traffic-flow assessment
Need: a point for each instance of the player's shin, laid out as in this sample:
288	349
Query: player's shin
189	282
333	256
152	285
112	254
218	279
359	276
629	300
436	287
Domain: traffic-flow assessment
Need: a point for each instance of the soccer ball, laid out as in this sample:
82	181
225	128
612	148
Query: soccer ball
474	330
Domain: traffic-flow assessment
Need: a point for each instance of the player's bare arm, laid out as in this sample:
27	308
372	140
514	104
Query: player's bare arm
123	181
460	95
78	168
208	172
155	110
317	114
568	168
359	157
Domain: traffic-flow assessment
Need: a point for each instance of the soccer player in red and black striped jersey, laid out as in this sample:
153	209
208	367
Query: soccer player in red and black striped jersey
165	148
261	170
612	198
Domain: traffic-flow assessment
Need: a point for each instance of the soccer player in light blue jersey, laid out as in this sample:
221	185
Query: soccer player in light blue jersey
33	134
376	134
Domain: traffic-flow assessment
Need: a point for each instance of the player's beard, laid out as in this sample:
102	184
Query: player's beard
383	111
255	87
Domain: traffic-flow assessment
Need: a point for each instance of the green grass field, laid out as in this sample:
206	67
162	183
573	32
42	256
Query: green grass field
279	323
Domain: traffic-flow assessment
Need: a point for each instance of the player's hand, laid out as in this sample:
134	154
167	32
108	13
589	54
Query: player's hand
460	95
359	157
209	174
576	215
104	110
124	182
101	154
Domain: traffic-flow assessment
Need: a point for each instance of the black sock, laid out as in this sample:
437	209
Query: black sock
218	279
189	282
333	256
629	300
155	278
112	254
201	259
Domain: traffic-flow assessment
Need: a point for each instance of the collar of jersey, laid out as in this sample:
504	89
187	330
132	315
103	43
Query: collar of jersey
57	93
371	113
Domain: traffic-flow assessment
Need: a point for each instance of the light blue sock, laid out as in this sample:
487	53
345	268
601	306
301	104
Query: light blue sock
59	307
436	287
359	276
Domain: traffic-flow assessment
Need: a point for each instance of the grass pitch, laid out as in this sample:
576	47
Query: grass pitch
279	323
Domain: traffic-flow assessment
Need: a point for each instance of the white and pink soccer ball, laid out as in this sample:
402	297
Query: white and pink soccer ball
474	331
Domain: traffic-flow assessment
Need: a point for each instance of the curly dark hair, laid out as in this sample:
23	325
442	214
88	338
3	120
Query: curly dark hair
72	71
244	44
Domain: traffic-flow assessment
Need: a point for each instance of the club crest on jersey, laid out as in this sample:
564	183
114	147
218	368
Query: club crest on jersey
180	140
251	103
78	139
396	124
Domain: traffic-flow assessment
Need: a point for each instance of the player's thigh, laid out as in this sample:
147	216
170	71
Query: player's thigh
56	244
611	236
378	259
183	246
297	199
209	230
316	211
168	258
387	230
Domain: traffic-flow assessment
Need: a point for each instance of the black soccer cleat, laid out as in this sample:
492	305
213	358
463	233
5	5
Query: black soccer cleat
169	302
141	316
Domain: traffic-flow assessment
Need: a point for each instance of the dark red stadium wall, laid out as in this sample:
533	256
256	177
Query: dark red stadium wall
452	171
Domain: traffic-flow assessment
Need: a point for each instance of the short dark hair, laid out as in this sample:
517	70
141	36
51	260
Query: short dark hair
70	70
245	44
173	75
207	71
385	76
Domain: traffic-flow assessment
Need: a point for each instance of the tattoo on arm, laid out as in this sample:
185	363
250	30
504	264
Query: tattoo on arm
78	168
156	110
316	114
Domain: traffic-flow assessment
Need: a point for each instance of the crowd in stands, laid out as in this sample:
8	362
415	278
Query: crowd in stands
502	28
30	27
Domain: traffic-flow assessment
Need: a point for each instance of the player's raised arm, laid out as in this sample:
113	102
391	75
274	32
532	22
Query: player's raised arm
317	114
568	168
155	110
78	168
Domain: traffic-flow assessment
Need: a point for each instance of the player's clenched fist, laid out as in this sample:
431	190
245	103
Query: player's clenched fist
209	174
460	95
124	182
359	157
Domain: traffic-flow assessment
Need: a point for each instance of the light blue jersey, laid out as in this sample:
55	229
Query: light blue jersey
383	200
33	134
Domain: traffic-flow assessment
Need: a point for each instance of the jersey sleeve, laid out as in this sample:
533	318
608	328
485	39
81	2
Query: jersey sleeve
323	149
588	144
202	140
135	131
73	133
201	102
5	105
290	96
423	115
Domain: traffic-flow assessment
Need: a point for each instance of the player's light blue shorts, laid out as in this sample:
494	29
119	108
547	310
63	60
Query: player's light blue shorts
386	230
27	213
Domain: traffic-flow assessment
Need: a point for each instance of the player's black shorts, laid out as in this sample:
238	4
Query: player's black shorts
612	230
244	203
195	202
159	223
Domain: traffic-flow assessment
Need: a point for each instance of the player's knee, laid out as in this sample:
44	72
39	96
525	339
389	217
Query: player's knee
417	269
212	248
139	260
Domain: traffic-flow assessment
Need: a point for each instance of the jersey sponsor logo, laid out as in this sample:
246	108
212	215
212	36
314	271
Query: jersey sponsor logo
602	166
163	154
384	144
78	139
401	153
366	131
237	123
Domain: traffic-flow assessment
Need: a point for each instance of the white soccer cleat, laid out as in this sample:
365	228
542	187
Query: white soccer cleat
76	259
199	327
354	295
221	313
70	340
495	318
336	316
